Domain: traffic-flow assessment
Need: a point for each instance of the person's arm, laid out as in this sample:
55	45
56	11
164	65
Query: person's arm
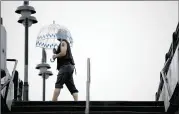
63	50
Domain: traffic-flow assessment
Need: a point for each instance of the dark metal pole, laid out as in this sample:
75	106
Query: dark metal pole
43	75
26	86
43	87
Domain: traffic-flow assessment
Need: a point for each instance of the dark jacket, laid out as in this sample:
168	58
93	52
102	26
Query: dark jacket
67	59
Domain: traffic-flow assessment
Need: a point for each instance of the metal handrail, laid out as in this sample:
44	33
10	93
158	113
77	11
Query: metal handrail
169	57
166	83
13	72
165	69
164	78
167	64
5	84
88	86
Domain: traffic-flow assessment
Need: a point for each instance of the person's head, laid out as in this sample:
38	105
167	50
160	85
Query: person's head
65	45
62	40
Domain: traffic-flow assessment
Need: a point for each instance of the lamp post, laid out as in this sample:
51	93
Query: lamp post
27	20
44	72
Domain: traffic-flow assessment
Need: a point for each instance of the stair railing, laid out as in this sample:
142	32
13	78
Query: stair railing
168	58
164	77
166	84
88	87
13	72
8	85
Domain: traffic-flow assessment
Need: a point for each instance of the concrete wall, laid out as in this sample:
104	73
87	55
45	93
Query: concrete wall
3	48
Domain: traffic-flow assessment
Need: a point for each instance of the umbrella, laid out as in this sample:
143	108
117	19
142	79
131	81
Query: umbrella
50	36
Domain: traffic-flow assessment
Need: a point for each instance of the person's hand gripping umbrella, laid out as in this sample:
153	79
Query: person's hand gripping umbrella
54	52
51	36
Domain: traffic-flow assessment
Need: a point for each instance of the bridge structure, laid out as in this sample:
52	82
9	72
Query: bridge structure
165	102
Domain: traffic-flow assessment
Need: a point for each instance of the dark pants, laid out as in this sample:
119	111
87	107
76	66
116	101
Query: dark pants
65	76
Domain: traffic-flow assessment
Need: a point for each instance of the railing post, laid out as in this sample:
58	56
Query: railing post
166	84
88	86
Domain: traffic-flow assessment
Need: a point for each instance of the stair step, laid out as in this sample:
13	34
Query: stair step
96	107
82	108
101	103
92	112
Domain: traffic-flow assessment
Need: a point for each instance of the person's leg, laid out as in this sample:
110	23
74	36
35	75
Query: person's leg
56	94
71	87
61	78
75	96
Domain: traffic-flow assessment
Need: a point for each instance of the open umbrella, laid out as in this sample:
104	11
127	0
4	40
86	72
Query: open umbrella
50	36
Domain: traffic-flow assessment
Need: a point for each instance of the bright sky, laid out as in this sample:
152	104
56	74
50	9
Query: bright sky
126	42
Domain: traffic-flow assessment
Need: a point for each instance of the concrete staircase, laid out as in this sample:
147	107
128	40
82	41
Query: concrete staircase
96	107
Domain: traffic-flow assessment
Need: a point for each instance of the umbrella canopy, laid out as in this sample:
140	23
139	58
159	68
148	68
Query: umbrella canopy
50	36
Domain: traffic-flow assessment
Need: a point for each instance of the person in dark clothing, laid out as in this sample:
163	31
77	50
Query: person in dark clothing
65	66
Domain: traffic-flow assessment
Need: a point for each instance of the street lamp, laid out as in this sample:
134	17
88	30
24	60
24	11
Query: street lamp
44	72
27	20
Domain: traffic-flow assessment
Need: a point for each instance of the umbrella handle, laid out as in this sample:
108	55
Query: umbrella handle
54	52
